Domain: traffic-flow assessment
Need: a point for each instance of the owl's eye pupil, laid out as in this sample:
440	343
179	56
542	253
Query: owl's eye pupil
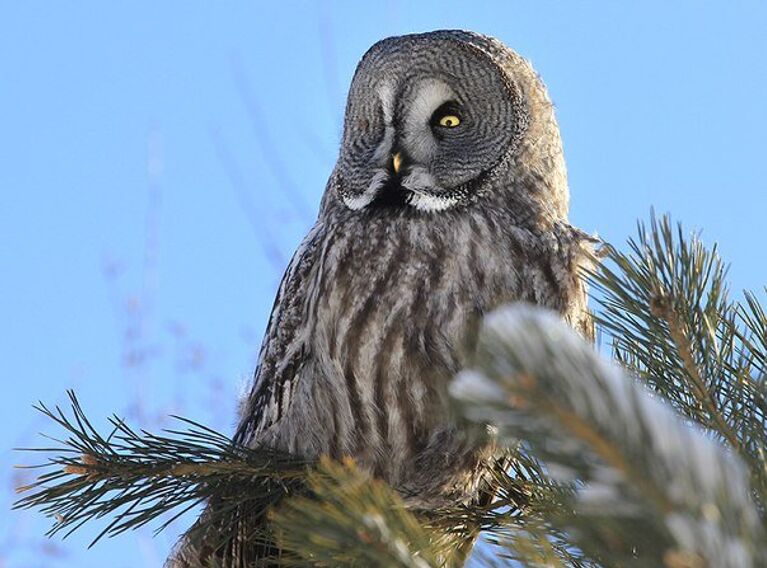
449	121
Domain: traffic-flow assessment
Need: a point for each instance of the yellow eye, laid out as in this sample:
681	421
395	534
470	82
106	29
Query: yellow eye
449	121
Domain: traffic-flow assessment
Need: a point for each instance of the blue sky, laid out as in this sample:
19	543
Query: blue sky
159	162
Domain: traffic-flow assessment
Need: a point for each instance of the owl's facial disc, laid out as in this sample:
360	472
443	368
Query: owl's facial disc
412	137
427	119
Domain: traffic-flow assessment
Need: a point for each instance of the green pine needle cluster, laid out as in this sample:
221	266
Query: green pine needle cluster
350	519
666	307
133	477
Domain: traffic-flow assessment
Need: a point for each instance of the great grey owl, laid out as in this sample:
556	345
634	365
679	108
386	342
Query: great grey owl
449	198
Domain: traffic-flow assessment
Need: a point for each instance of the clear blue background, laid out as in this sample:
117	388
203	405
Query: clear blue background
159	161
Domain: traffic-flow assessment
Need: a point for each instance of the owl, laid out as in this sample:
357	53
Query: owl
449	198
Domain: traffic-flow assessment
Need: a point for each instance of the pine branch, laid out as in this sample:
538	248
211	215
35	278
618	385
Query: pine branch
647	485
135	477
665	306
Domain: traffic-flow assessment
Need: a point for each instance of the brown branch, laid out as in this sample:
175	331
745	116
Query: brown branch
95	470
660	307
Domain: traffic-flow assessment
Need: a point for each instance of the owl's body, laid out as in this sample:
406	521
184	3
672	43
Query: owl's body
449	199
372	321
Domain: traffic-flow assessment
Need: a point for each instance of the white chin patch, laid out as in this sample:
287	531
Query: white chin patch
431	202
425	192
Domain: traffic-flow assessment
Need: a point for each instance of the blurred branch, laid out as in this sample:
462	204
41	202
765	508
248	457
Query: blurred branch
257	221
649	486
272	159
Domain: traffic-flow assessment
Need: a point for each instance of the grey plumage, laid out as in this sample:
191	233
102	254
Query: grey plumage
379	306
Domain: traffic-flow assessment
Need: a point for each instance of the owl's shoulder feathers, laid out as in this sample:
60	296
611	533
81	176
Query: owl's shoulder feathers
283	345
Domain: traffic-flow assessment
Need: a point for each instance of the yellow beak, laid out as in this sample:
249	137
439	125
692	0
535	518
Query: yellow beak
396	162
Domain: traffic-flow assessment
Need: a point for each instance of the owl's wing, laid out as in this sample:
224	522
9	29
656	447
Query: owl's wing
283	349
282	352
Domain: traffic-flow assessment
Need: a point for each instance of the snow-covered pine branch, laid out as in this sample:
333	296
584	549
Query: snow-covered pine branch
648	484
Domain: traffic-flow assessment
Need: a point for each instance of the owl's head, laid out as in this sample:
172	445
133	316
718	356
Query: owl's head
441	119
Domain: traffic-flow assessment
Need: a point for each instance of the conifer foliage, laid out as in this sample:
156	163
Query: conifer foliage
656	458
